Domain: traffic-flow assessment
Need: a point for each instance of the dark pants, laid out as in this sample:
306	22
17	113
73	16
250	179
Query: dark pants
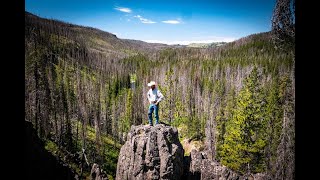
154	108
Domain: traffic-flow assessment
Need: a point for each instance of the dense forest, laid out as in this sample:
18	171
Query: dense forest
84	88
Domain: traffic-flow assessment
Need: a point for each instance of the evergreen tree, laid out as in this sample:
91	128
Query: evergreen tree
224	115
166	106
273	117
244	140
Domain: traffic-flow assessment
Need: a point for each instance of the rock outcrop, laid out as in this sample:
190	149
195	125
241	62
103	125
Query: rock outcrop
151	152
97	174
200	167
156	153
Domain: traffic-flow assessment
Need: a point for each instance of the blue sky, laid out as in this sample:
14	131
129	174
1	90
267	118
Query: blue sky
165	21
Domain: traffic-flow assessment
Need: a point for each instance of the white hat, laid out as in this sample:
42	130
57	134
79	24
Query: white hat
151	83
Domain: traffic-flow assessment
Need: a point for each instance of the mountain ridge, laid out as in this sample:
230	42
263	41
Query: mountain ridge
139	45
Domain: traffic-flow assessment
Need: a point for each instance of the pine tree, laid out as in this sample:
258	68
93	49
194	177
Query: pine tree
273	117
224	115
244	140
166	106
128	112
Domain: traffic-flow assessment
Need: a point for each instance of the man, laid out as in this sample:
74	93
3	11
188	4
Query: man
154	97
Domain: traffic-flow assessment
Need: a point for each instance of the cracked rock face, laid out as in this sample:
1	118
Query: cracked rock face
151	152
202	168
97	174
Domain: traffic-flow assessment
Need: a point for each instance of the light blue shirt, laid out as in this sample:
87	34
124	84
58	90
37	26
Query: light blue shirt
154	95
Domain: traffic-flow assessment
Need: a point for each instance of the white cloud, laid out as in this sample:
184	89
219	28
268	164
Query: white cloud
123	9
186	42
144	20
172	22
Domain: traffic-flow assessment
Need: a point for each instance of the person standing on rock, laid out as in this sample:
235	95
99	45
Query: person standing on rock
154	97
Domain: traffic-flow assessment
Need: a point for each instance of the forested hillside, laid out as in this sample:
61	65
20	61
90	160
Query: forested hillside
84	88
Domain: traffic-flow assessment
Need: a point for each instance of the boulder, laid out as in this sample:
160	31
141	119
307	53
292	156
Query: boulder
151	152
202	168
96	173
